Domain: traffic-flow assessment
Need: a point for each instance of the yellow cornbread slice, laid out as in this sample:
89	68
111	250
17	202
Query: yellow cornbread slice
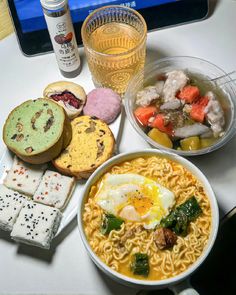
91	145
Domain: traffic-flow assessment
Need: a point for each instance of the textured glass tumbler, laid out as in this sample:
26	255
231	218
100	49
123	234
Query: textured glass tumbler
114	39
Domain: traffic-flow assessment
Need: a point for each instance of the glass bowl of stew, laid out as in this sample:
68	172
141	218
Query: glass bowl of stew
182	104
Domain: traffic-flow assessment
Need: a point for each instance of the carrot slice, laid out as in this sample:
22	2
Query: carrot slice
189	93
159	123
197	112
143	114
203	101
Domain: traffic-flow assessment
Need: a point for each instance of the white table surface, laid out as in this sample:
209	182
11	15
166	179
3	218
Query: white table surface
66	268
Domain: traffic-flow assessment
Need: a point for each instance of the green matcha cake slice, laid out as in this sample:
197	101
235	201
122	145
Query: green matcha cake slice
37	130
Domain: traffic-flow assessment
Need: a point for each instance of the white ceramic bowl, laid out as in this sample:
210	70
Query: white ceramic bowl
173	282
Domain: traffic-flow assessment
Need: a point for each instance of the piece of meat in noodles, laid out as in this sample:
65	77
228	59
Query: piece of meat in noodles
164	238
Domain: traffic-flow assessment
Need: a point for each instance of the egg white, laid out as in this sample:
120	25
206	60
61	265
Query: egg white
135	198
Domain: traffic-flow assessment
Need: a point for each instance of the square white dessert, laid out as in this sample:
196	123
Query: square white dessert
54	189
36	225
24	177
11	203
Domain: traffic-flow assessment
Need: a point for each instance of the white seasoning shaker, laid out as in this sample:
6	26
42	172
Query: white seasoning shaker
61	31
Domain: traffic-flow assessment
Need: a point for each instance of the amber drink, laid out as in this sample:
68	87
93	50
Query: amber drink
114	40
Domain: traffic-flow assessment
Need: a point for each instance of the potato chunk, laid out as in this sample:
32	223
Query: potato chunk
160	137
206	142
190	143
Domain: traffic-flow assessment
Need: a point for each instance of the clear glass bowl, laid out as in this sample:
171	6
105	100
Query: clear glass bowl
199	69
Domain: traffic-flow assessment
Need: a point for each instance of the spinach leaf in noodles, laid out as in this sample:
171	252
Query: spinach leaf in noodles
191	208
140	264
110	222
179	219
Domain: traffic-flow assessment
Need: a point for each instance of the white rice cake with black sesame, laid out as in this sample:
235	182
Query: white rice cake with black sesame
36	225
54	189
11	203
24	177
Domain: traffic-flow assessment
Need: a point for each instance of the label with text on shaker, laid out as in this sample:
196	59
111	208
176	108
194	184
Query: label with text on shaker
64	43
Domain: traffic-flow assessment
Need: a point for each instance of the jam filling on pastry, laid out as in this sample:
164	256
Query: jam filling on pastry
67	97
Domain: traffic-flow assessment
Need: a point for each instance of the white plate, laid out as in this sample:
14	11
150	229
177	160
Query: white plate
71	209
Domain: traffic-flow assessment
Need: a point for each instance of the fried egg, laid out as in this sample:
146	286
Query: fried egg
135	198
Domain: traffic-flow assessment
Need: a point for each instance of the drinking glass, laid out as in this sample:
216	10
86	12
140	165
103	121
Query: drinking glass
114	39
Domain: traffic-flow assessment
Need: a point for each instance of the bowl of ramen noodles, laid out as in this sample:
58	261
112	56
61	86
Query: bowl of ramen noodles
148	218
182	104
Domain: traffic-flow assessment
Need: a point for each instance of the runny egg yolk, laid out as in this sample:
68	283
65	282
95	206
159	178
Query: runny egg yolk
141	204
144	199
135	198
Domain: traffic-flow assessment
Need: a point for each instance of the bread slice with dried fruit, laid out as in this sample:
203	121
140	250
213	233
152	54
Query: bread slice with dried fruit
37	131
91	145
69	95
